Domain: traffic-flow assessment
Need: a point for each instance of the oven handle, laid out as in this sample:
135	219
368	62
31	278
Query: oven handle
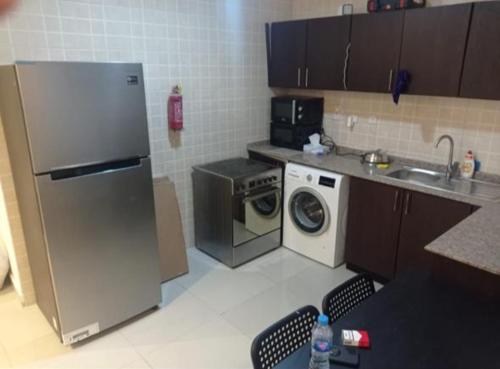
261	195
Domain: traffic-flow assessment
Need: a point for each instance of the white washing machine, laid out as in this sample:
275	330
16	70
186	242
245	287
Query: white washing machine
315	213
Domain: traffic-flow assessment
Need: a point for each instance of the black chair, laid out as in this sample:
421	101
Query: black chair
283	338
341	300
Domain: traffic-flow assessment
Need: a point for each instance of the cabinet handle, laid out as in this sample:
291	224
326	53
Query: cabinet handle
346	62
298	76
396	200
389	88
408	203
307	77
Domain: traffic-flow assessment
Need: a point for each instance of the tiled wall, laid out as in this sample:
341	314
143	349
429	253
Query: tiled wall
411	128
215	48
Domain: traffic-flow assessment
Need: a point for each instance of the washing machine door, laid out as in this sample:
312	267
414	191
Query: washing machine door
308	211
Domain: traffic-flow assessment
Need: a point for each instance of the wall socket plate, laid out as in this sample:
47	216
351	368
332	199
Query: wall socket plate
352	120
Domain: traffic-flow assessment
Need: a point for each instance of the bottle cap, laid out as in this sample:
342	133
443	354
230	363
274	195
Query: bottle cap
323	320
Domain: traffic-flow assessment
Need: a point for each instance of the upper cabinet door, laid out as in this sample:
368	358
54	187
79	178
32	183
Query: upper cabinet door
327	40
375	48
481	76
288	54
433	48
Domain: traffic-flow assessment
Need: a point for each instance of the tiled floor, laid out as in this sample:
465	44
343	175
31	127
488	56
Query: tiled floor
207	319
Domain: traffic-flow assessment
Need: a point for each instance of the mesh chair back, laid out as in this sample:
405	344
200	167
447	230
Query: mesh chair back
283	338
341	300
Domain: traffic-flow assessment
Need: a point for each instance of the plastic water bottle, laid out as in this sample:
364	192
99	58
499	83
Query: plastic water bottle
321	344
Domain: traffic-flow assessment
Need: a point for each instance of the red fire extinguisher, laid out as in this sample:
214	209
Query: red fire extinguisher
175	121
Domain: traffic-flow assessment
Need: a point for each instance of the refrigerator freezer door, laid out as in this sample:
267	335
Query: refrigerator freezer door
83	113
101	238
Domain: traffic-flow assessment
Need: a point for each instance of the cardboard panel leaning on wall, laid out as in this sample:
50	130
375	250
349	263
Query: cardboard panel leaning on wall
172	248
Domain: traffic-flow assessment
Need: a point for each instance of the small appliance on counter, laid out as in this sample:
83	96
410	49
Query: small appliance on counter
237	209
292	137
294	119
297	110
377	157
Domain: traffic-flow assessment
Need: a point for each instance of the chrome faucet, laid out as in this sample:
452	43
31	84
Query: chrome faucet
452	167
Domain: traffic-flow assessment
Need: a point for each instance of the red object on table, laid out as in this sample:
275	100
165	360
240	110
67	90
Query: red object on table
355	338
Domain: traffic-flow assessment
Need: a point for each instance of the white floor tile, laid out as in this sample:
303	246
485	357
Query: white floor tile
139	364
4	360
213	345
170	291
200	265
21	325
279	265
256	314
110	351
207	319
225	289
41	349
313	283
179	316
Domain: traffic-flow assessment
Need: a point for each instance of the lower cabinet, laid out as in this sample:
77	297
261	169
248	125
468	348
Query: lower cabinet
372	227
425	218
389	227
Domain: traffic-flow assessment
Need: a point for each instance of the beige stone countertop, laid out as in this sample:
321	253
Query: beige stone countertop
474	241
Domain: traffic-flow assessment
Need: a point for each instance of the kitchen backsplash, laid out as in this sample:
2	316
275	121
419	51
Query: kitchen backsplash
215	48
411	128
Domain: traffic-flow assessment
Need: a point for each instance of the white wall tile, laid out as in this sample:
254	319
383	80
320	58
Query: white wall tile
215	48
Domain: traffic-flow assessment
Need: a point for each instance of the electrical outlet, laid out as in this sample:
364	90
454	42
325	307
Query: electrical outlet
352	120
372	120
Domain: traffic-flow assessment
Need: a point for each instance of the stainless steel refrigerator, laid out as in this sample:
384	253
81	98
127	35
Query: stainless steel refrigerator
78	143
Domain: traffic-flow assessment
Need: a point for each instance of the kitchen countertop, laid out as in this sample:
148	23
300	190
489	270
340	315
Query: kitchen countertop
474	241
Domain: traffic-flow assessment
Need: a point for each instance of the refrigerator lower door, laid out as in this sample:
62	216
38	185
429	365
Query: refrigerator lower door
101	240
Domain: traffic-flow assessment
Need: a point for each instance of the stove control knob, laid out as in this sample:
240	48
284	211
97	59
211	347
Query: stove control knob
275	178
251	184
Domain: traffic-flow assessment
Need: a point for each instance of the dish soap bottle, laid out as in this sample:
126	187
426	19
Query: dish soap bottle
468	167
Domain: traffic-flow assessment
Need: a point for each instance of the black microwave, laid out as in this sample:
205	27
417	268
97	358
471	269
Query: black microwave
297	110
293	136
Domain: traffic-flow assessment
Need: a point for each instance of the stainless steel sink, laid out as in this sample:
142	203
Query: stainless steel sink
417	175
429	178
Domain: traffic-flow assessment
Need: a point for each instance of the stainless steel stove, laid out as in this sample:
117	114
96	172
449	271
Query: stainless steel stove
237	209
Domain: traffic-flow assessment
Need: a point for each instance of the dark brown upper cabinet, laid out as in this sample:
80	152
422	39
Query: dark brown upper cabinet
287	58
481	75
327	40
308	54
433	48
375	48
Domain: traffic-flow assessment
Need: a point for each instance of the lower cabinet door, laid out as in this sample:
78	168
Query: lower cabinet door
424	219
372	228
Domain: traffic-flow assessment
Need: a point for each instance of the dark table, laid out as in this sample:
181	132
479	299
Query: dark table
418	322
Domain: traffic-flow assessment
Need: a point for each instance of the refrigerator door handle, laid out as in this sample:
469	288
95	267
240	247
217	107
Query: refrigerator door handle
87	170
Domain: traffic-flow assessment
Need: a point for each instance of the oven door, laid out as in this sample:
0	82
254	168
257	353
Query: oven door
256	213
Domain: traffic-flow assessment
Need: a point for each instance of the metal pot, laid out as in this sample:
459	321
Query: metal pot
375	157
